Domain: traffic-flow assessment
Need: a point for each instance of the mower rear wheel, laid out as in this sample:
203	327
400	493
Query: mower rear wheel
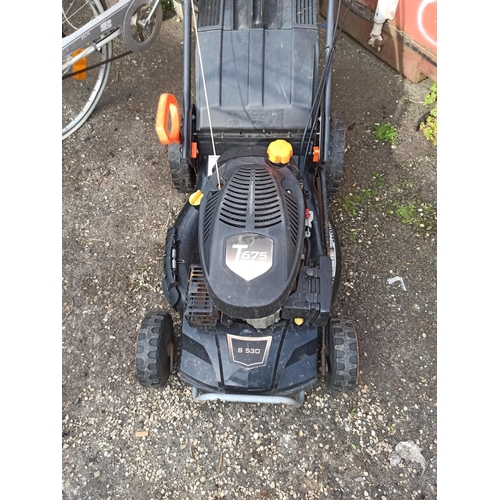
342	355
334	163
154	349
183	176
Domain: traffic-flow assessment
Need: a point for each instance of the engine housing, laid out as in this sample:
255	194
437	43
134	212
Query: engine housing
250	237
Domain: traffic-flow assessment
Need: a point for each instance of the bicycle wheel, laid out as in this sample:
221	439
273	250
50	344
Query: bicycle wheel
81	93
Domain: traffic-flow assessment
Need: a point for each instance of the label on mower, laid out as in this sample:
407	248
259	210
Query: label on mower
249	255
248	351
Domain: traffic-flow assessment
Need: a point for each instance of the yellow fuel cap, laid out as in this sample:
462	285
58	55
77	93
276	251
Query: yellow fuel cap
279	151
195	198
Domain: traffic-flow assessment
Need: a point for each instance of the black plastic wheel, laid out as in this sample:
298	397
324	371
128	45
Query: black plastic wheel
183	176
153	358
334	163
342	355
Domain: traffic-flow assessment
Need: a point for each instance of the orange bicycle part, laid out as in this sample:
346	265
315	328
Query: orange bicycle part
79	65
168	117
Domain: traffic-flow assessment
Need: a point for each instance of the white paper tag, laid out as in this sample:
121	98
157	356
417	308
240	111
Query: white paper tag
212	161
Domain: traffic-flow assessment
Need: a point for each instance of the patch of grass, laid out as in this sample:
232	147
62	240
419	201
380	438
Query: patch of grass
408	212
364	196
167	5
432	96
429	126
422	215
385	132
352	202
379	179
368	193
348	205
378	198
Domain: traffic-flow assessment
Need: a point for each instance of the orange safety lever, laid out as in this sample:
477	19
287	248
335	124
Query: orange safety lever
169	131
315	154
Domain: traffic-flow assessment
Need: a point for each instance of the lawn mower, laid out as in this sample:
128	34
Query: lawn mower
252	263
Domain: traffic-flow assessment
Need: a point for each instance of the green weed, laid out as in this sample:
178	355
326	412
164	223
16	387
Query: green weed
167	5
429	126
348	205
379	179
408	212
352	202
374	199
422	215
385	132
432	96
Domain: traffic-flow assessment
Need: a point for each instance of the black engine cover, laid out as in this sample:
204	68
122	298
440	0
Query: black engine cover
250	236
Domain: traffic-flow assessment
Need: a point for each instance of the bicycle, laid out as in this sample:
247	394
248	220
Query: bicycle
88	30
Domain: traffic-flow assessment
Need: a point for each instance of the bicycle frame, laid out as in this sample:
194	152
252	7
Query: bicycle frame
109	24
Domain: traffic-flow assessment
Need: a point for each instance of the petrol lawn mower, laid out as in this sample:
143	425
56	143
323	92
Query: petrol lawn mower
252	263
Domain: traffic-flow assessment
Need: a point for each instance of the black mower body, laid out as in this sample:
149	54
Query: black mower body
254	267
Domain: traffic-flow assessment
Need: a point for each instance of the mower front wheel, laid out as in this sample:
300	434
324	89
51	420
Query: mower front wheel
154	350
342	356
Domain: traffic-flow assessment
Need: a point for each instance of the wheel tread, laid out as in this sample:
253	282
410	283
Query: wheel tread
335	162
181	176
343	365
152	356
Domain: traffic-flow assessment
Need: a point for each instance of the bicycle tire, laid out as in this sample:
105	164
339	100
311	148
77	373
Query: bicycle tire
80	97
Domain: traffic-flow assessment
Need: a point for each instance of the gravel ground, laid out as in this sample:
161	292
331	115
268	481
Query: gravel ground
120	441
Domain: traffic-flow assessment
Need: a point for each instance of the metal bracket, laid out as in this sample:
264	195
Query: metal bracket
248	398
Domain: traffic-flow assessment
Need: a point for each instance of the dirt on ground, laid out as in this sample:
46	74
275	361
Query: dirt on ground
120	441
